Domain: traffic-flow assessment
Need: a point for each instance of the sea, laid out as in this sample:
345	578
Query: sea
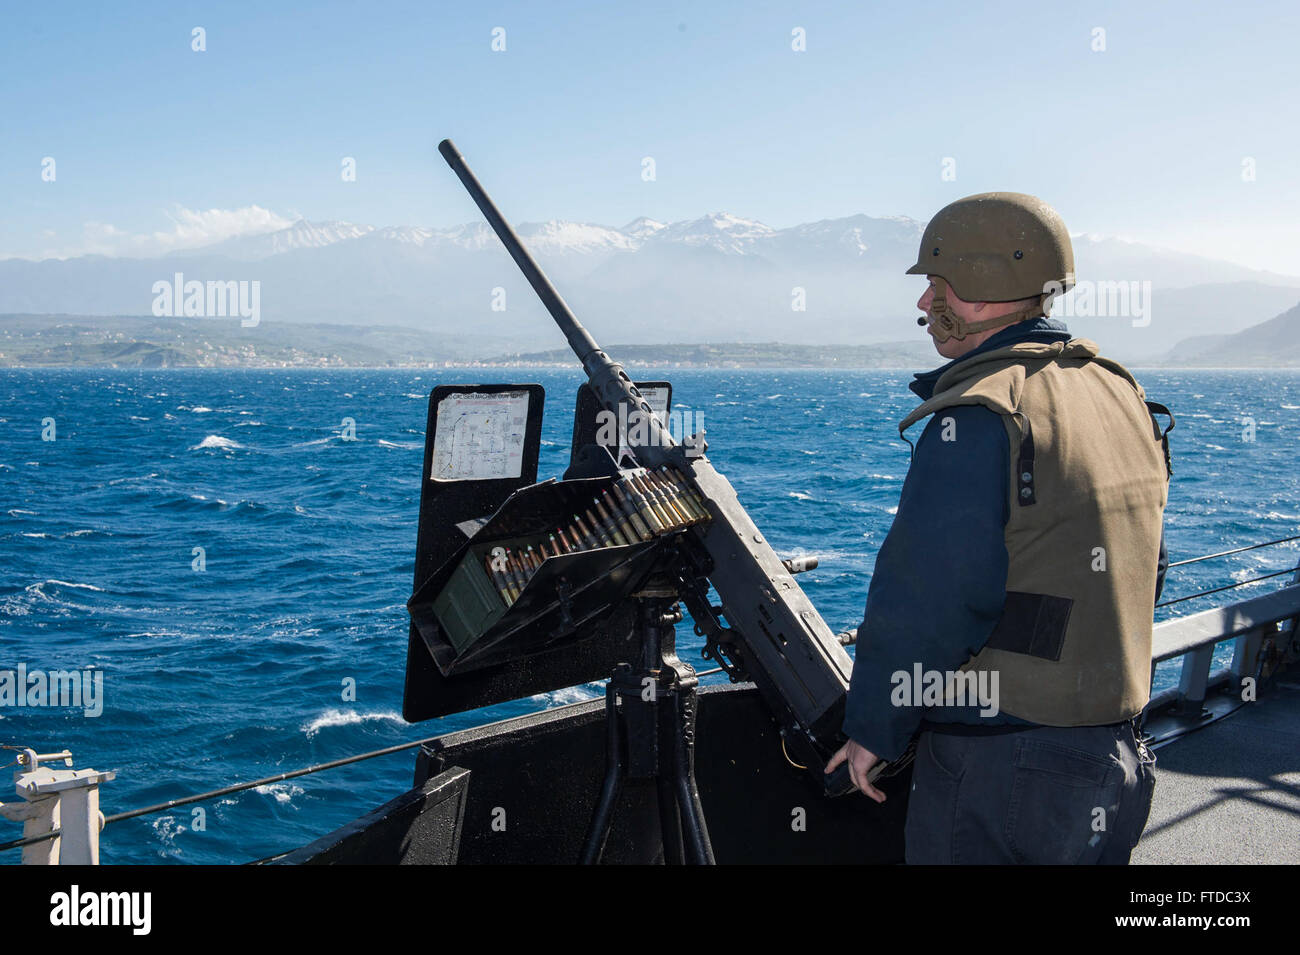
232	550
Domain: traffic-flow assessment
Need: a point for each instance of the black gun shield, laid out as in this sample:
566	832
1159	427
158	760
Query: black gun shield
590	656
587	411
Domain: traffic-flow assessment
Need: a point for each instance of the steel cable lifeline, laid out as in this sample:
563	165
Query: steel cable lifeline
227	790
1237	550
1240	583
240	787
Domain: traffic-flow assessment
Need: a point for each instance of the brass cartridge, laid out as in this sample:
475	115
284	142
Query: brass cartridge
611	526
618	502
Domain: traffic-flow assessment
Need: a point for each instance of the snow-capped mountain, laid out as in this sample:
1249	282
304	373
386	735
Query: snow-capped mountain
642	228
575	238
726	233
719	277
406	235
300	235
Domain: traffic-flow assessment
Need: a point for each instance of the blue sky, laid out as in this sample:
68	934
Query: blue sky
1145	139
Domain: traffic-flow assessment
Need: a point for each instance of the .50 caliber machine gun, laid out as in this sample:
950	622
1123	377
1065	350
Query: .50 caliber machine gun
563	578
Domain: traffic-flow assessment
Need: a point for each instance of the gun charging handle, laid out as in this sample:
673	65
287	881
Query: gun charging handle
839	783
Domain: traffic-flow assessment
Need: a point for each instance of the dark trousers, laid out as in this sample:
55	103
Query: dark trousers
1047	795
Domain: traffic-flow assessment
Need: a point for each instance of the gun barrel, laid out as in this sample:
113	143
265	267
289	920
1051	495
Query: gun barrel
579	338
797	662
608	379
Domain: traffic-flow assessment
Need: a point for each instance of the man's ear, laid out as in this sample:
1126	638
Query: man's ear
979	306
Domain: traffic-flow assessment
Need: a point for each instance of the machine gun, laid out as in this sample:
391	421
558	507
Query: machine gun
498	620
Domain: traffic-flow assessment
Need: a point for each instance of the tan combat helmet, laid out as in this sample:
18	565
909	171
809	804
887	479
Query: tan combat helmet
994	247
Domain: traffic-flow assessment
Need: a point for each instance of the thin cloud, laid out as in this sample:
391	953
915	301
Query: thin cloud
190	229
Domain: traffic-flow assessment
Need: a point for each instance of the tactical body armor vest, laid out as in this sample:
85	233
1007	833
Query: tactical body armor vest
1088	487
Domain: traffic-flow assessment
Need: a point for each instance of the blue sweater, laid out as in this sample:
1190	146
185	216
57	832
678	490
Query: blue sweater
941	573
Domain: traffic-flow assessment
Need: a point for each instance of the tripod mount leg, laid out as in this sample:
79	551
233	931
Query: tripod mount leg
650	712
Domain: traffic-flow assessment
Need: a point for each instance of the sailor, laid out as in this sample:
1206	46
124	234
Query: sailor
1008	621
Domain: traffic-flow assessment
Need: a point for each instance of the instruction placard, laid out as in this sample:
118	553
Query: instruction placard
656	396
480	436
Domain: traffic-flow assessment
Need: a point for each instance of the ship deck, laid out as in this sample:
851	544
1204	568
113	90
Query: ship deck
1230	793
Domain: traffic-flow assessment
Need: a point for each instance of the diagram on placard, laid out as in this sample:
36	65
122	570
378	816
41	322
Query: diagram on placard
656	396
480	436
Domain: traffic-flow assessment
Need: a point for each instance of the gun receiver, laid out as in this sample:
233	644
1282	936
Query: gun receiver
774	631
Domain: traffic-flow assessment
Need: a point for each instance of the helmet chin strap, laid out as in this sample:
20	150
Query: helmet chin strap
945	323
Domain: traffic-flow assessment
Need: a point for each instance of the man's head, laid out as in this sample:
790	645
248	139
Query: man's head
971	313
991	260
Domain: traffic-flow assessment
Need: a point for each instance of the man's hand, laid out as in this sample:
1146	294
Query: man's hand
860	760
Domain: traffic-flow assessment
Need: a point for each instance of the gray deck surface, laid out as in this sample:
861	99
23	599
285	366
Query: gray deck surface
1230	793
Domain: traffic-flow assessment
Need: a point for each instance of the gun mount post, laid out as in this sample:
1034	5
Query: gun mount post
650	712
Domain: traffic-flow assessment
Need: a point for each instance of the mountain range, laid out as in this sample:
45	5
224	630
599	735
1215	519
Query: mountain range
717	278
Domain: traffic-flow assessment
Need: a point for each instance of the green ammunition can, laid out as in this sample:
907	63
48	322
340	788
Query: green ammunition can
469	604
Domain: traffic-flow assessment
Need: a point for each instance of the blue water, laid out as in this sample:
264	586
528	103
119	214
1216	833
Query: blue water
237	672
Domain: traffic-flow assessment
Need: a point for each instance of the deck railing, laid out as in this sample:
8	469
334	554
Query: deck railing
1194	638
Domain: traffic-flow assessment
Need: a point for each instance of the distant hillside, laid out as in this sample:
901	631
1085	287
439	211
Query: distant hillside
1190	349
125	341
1177	314
128	341
912	355
1271	344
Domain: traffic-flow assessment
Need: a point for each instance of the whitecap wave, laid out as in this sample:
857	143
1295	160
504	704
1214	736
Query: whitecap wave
166	828
32	588
116	481
216	441
14	607
283	793
568	695
348	718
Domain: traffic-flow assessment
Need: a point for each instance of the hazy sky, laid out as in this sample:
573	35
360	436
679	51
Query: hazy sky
158	146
